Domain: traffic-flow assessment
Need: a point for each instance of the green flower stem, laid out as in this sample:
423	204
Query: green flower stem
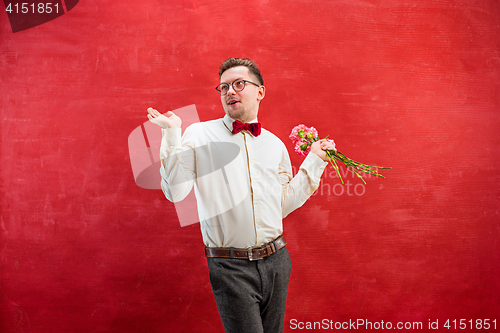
351	165
334	163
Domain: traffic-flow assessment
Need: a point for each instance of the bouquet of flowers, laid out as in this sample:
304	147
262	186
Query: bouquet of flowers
303	137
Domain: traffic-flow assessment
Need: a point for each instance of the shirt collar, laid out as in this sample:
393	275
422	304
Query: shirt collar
228	121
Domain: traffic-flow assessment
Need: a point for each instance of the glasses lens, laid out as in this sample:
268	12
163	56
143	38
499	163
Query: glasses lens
239	85
223	88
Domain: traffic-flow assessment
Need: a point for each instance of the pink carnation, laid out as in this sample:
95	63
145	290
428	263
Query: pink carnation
299	146
298	133
301	137
311	132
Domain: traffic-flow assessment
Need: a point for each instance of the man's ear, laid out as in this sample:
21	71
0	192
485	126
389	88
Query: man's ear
261	94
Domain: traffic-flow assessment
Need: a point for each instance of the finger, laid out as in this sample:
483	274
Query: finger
331	147
170	114
153	112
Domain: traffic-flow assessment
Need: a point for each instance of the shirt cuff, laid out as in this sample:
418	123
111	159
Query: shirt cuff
171	137
314	162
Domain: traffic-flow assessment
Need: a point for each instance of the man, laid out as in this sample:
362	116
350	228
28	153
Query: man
240	209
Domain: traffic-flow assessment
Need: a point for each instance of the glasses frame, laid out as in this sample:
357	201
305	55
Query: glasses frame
232	85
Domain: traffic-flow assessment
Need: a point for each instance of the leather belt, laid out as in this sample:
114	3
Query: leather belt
250	253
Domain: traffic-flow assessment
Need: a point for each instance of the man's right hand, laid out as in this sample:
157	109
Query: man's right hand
169	121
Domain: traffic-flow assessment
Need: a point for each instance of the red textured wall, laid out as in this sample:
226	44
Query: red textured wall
408	84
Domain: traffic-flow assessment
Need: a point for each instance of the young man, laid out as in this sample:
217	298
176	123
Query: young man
241	208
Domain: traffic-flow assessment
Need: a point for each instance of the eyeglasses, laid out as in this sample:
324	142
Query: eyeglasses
238	85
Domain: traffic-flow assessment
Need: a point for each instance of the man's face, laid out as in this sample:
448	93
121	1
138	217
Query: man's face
241	105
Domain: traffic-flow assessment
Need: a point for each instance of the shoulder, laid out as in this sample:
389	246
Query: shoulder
204	125
208	131
272	139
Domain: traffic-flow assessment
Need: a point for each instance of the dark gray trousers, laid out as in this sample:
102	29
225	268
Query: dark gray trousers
251	295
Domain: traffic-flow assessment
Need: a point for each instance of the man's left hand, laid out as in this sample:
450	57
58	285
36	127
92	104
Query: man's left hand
320	146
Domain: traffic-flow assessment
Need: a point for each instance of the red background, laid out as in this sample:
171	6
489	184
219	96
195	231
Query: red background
408	84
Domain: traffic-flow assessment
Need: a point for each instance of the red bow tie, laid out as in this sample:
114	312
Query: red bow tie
253	128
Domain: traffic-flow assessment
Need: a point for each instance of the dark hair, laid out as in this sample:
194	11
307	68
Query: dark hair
248	63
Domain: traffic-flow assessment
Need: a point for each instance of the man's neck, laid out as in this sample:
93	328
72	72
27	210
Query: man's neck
243	121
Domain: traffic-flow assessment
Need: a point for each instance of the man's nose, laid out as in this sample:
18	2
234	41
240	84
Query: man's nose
230	90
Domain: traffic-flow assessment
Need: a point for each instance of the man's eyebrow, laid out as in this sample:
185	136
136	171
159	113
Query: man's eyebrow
239	78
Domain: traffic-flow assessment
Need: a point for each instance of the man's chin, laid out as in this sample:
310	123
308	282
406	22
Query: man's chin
234	114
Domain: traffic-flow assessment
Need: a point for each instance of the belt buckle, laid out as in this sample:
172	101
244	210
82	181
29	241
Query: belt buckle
250	254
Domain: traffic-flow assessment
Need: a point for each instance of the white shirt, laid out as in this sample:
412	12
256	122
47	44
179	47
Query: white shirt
243	184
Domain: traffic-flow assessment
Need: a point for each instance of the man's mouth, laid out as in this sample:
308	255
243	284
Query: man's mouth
232	102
